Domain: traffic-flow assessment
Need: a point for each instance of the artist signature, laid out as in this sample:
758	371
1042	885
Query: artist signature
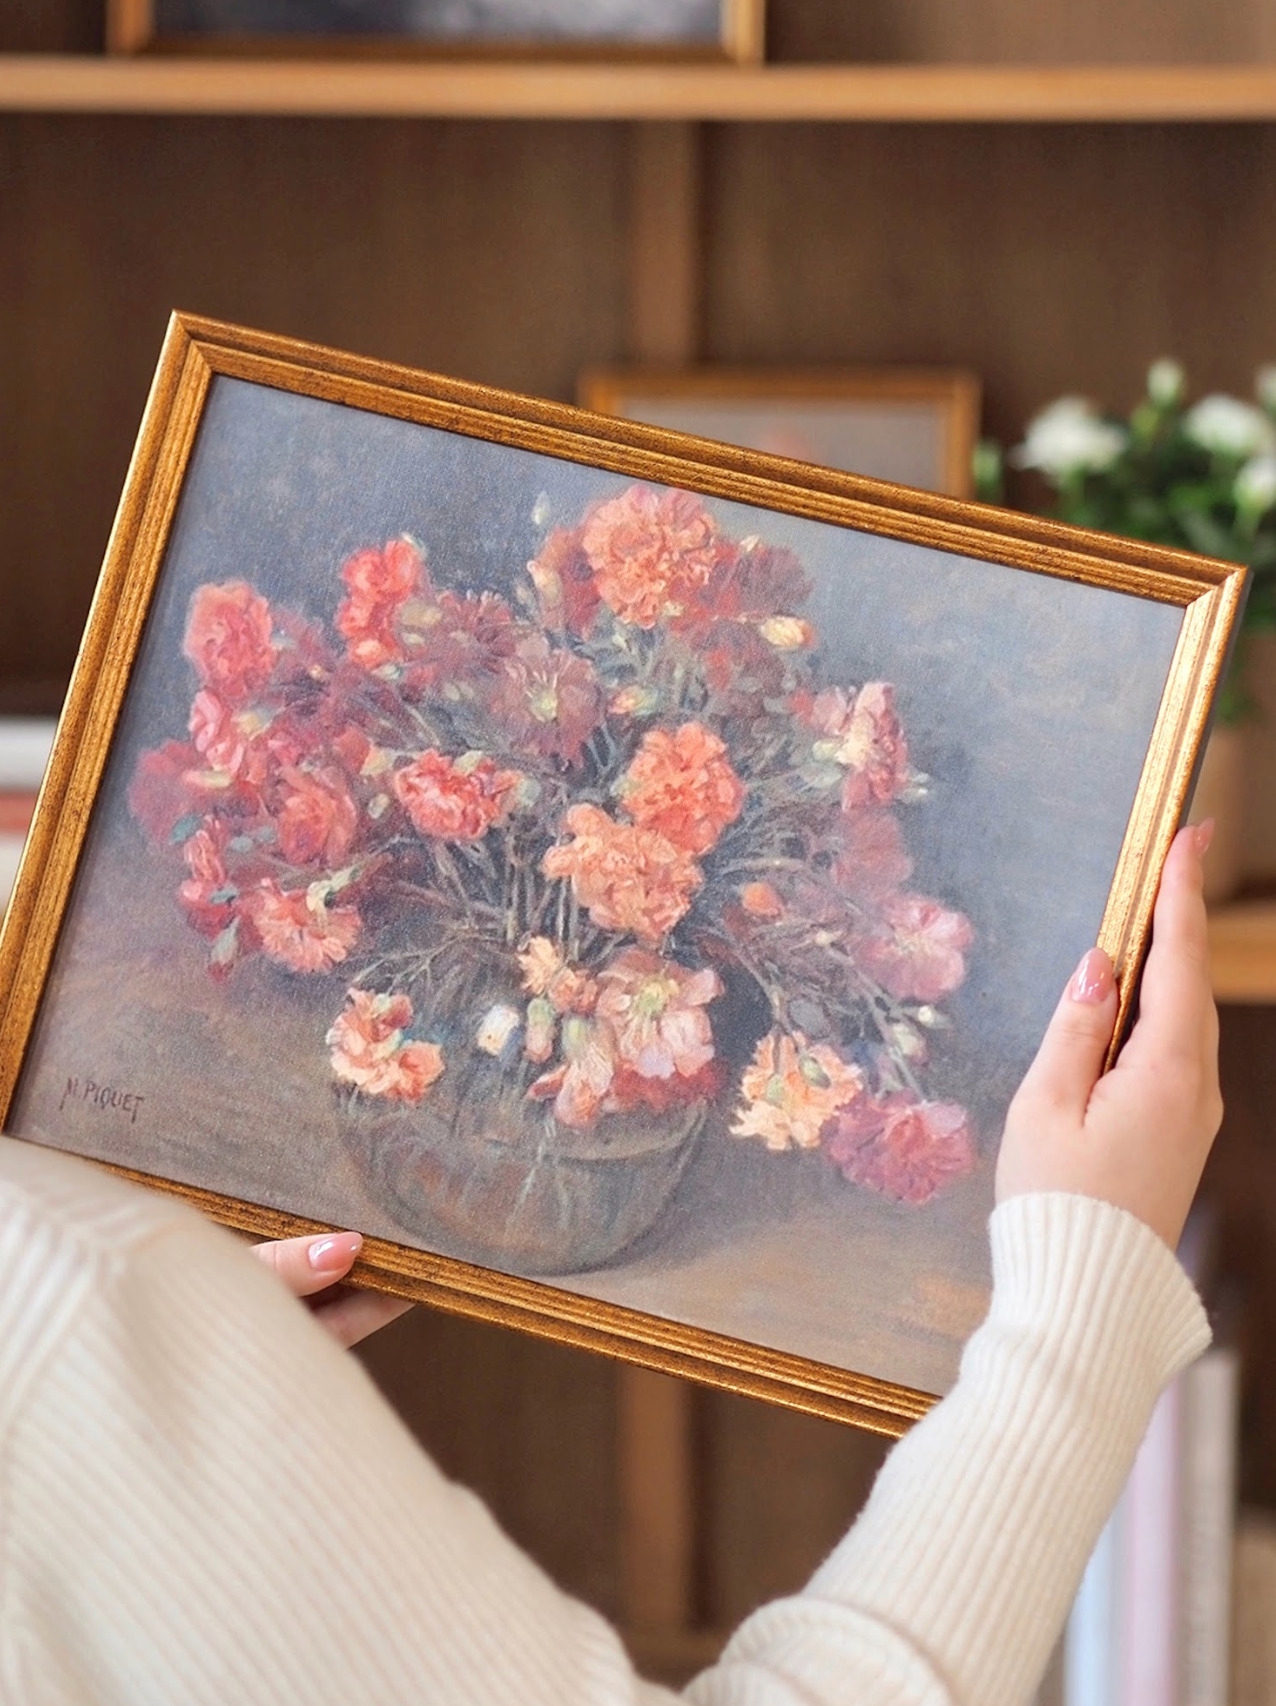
104	1096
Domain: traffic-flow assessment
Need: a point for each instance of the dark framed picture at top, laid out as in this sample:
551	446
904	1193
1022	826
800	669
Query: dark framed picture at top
680	29
915	426
623	875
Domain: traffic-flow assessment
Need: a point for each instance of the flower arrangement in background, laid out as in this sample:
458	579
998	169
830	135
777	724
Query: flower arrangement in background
1198	476
562	832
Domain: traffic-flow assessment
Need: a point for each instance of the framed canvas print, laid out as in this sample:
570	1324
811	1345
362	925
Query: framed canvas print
624	876
913	426
684	29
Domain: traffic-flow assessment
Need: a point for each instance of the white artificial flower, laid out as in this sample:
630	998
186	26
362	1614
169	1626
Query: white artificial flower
1255	487
1265	386
1069	437
1227	427
1165	382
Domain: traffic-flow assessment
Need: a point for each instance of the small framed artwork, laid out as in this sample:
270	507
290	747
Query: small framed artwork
913	426
670	29
605	867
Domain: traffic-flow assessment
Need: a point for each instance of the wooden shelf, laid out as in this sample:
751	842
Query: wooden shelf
827	93
1243	952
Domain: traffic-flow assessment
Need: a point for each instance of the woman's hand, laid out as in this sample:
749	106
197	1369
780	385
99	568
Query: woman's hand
313	1267
1139	1135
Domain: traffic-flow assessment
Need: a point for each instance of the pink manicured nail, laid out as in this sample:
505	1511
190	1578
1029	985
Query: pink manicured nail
1092	981
1204	835
335	1252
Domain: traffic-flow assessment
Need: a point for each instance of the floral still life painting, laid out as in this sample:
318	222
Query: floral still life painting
625	883
544	850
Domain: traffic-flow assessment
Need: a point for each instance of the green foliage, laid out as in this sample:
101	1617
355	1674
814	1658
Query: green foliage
1198	478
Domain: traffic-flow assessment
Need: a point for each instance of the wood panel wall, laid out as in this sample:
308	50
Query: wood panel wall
494	252
1046	259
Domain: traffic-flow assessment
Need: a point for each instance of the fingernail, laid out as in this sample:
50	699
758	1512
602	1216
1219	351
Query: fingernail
1092	981
335	1252
1204	835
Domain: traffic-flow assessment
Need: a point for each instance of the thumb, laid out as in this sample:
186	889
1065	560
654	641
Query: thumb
1070	1059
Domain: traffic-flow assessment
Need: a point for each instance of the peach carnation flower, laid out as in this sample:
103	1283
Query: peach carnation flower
761	900
792	1089
682	785
368	1050
652	553
229	640
298	929
629	878
547	973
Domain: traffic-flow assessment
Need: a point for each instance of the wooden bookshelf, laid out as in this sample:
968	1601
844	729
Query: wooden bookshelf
857	94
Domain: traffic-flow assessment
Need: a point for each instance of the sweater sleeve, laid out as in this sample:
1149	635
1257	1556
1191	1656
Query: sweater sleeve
953	1585
203	1499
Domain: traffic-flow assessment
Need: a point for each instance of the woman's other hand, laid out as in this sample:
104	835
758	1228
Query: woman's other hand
313	1267
1139	1135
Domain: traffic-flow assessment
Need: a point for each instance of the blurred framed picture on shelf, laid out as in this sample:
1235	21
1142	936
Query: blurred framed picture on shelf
604	866
679	29
913	426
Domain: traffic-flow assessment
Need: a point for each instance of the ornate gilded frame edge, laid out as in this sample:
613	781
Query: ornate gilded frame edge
1210	593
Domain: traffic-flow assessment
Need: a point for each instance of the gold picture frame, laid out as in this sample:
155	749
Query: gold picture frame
138	26
912	426
83	937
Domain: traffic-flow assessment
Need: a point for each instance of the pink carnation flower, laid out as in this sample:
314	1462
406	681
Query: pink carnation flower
379	583
917	951
316	818
580	1084
229	640
564	582
872	860
656	1011
549	700
207	894
902	1148
862	733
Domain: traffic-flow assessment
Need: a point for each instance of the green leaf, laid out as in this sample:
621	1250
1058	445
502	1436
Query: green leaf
184	828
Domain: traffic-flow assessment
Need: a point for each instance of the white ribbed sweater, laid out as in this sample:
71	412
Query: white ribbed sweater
203	1502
